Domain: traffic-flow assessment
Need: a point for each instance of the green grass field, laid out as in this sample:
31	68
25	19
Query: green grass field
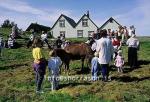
17	80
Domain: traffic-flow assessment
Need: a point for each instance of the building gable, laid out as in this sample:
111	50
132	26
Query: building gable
109	21
85	16
68	19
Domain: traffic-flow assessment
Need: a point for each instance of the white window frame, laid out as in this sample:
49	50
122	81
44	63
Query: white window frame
61	23
80	33
85	22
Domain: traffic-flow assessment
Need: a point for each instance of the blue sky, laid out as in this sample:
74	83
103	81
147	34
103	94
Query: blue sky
46	12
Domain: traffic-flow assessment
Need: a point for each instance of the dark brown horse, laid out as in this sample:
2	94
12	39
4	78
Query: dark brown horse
75	52
80	51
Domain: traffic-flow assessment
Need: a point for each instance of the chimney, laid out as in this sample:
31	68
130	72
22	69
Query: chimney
88	15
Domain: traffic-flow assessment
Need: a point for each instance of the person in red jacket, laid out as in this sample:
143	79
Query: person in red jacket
117	45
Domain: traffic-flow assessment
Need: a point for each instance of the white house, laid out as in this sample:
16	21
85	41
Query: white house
63	26
70	29
111	23
85	27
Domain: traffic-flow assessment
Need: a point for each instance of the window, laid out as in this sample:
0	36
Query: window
62	23
79	33
85	22
62	33
90	33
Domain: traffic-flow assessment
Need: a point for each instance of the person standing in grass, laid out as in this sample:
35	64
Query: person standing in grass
54	64
39	64
133	47
31	38
105	50
119	61
44	38
11	42
117	45
95	67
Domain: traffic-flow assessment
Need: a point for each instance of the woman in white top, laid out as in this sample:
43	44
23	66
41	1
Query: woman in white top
133	46
105	50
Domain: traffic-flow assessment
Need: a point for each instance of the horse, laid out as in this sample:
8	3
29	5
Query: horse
80	51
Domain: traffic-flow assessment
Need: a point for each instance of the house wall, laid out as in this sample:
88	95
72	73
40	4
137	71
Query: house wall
113	26
72	32
69	30
91	27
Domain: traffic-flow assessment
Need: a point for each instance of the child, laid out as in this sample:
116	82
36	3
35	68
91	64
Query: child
94	66
53	64
39	64
119	61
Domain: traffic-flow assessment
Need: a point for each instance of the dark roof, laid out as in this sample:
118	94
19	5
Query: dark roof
69	20
37	27
88	18
108	21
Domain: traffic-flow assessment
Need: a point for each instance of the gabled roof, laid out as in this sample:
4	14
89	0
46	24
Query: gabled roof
69	20
37	27
109	21
88	18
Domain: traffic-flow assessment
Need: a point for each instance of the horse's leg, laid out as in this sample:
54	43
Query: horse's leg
88	63
82	60
67	67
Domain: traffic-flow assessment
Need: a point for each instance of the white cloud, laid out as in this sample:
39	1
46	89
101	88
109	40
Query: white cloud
139	16
19	6
23	13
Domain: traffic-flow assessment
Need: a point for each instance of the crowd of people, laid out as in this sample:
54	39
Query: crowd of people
107	48
60	42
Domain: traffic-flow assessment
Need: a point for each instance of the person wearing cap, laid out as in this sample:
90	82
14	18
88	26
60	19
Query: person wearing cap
54	64
119	61
133	47
95	66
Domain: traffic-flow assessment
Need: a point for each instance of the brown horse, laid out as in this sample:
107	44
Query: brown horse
80	51
75	52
